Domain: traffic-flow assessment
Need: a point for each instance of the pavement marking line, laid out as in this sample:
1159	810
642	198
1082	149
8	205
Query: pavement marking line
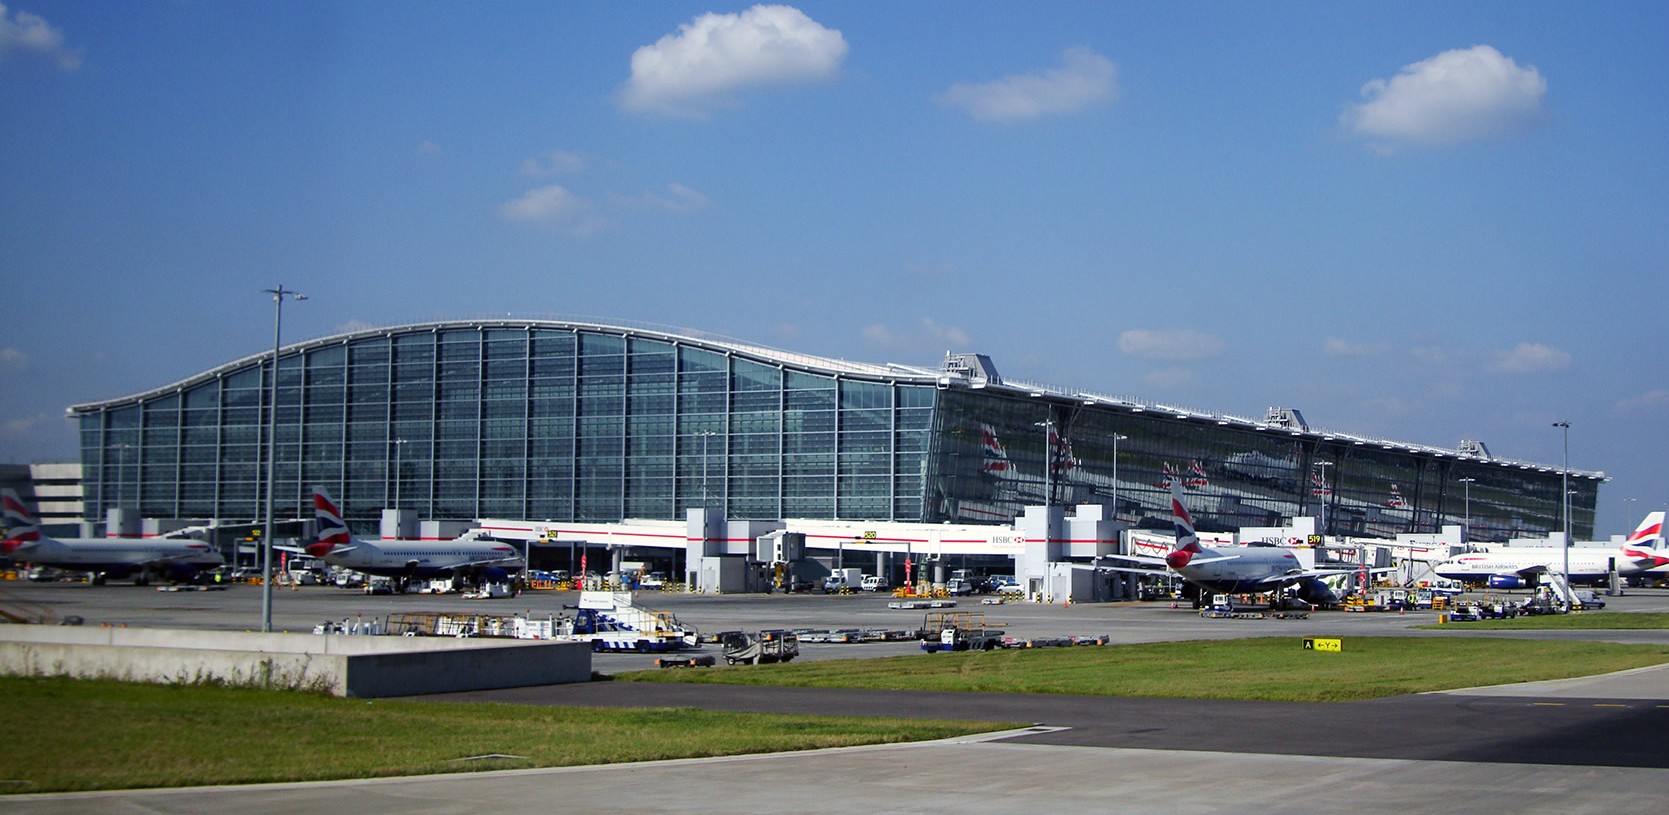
1547	704
1608	704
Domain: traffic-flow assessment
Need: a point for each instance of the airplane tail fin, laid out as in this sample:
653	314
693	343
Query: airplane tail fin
332	531
995	457
22	531
1649	533
1187	542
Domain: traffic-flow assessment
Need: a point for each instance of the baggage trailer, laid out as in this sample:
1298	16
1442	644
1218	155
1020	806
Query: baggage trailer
959	631
761	647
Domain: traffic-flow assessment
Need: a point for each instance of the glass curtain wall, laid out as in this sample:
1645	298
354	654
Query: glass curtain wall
989	464
470	421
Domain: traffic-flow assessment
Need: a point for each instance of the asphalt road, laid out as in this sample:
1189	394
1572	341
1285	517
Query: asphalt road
1591	745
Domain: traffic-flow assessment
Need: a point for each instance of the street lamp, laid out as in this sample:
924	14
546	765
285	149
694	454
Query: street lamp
706	500
1466	525
1116	439
1565	504
278	296
1048	464
399	446
121	474
1326	492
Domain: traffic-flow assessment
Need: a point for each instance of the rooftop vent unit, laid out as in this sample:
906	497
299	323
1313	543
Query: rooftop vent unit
976	368
1472	447
1288	418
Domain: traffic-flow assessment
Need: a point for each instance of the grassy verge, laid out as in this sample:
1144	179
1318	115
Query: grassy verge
1273	668
89	735
1587	620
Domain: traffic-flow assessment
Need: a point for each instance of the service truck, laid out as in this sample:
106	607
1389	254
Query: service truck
843	580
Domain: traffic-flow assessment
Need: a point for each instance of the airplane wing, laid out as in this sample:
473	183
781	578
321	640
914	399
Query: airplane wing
180	557
297	550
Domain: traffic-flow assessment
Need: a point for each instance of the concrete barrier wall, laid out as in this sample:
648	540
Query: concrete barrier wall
362	666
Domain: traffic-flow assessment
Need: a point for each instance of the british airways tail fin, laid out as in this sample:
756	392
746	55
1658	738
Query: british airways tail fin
995	458
1649	533
1187	542
21	529
333	533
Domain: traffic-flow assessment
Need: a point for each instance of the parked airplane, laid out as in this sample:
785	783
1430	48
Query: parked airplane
1246	569
464	560
175	559
1517	567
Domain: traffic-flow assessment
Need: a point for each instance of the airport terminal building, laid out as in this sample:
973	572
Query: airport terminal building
586	422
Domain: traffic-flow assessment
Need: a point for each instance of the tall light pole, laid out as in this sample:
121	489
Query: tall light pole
121	475
1048	465
706	500
278	296
1466	525
1116	439
1326	493
1564	499
399	445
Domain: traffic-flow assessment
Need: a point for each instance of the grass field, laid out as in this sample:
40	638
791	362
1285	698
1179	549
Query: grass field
1587	620
89	735
1273	668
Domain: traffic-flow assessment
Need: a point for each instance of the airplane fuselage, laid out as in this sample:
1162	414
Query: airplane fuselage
118	556
1240	569
1585	564
416	559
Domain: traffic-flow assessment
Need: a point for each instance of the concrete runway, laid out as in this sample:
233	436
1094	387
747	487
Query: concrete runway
1583	745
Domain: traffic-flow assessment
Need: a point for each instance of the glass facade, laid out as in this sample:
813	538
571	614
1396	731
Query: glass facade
990	449
558	421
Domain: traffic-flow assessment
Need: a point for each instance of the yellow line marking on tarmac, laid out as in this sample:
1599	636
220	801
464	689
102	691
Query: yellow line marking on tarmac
1608	704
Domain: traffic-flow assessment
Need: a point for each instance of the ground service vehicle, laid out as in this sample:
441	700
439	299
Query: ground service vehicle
843	580
874	582
761	647
958	631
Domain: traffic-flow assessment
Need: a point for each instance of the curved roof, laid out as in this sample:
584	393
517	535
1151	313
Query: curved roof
943	377
679	337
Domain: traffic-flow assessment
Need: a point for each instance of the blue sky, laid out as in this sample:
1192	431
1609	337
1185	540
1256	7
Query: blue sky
1422	221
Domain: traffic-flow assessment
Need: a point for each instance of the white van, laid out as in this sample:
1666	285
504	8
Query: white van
874	582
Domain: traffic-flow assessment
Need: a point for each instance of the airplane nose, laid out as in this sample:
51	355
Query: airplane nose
1177	560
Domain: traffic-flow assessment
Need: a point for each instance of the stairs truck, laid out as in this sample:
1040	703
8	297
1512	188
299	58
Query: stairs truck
610	621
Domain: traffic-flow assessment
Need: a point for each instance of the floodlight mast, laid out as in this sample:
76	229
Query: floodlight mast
278	295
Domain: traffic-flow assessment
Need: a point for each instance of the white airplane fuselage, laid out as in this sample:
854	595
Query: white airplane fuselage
118	557
421	559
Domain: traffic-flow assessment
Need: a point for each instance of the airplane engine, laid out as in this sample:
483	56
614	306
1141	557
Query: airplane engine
1315	592
1506	581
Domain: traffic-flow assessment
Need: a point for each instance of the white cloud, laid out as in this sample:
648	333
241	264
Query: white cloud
678	198
949	333
23	426
1456	96
696	69
1083	79
1651	400
30	33
426	148
1531	358
13	361
1166	379
555	162
1336	347
1168	344
352	326
927	336
553	207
